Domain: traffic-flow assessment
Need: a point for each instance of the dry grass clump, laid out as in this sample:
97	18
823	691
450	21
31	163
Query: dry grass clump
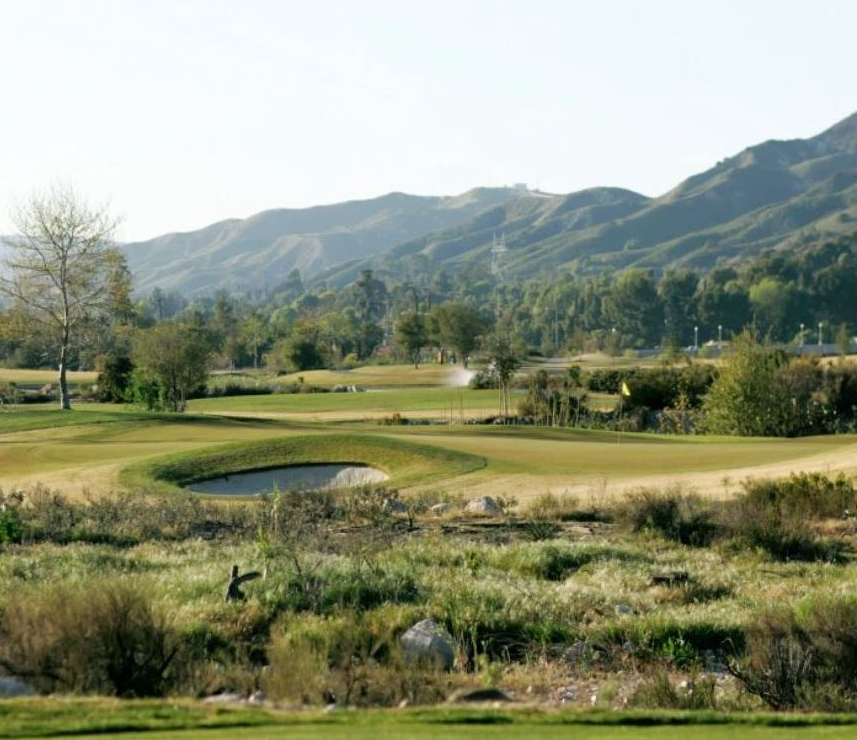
351	660
109	640
803	657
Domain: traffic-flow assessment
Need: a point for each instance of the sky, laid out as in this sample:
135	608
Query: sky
180	114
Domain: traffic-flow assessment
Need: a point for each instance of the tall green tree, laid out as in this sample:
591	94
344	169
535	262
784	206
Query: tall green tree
458	326
677	290
634	308
411	335
370	303
748	398
171	361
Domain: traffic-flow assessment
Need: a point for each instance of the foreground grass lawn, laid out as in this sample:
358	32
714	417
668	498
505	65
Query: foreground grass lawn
190	720
185	720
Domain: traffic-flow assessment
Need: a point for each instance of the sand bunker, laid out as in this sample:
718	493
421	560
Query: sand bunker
292	478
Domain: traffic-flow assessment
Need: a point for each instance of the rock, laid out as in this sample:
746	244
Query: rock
428	641
478	695
483	506
624	609
257	697
670	578
10	687
580	530
227	697
340	388
440	509
577	652
394	506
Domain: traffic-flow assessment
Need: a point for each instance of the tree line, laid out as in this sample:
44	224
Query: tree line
69	304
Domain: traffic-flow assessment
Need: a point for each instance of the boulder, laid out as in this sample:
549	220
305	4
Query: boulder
483	506
10	687
428	641
226	697
340	388
441	509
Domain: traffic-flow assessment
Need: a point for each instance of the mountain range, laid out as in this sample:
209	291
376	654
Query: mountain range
775	195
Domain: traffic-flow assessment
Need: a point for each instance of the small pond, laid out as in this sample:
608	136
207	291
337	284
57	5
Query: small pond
292	478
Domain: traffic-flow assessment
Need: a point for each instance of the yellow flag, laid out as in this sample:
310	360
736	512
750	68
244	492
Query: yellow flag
626	391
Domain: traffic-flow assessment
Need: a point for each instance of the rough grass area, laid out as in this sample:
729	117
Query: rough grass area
405	462
191	720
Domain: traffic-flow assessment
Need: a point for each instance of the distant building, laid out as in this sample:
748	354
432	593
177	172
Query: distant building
521	186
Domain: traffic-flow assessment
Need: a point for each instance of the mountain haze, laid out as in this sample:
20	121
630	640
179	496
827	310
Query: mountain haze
259	251
775	195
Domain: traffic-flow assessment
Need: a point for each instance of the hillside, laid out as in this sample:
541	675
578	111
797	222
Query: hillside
776	195
779	194
259	251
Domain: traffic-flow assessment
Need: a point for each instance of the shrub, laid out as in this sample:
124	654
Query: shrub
45	515
683	518
776	515
114	379
107	640
552	508
803	658
11	530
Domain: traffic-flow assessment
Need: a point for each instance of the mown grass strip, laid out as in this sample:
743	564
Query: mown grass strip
51	717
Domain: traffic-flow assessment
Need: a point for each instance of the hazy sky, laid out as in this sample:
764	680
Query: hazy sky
184	113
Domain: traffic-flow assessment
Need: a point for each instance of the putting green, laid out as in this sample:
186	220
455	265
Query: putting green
87	449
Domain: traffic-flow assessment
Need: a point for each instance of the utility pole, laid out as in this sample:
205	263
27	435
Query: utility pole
820	324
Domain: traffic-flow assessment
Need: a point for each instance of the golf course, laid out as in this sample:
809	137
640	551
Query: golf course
89	449
106	491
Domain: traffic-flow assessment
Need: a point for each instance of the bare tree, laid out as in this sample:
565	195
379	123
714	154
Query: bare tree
62	267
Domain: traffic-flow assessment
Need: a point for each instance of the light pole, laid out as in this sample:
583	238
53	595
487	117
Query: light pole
819	333
696	337
801	335
720	336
